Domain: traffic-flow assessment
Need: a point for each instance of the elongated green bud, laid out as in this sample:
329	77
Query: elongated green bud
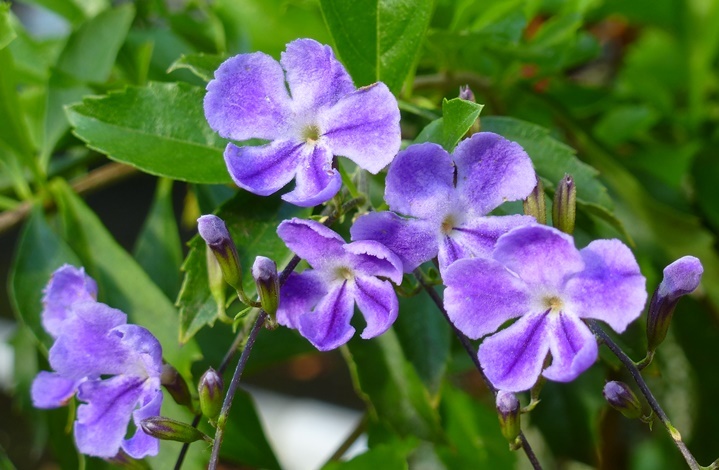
176	386
535	205
168	429
564	209
508	411
681	277
210	392
216	281
622	399
214	231
268	284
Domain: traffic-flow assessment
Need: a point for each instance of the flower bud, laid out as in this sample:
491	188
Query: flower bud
176	386
467	94
214	231
170	430
508	411
216	281
210	391
535	205
622	399
681	277
268	284
564	208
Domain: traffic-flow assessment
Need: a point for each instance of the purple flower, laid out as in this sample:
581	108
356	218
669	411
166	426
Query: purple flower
113	367
309	110
537	276
319	302
446	199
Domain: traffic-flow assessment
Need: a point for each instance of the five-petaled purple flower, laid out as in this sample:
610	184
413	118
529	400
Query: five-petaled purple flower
447	198
92	342
319	302
538	276
310	112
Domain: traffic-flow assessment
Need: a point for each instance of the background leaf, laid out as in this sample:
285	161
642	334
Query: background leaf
160	129
458	116
378	40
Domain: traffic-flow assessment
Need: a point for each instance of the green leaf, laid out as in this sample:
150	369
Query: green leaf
425	337
7	33
386	457
122	282
473	434
378	40
39	253
552	159
14	131
245	440
202	65
458	115
158	249
252	222
74	11
160	129
390	386
88	57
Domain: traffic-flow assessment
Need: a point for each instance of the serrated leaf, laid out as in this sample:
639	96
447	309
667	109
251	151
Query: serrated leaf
160	129
122	282
202	65
158	249
39	253
378	40
458	115
252	222
552	159
389	385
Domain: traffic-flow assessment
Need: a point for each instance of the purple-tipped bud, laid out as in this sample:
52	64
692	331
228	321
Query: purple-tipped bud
535	205
210	391
564	208
466	93
508	411
681	277
268	284
622	399
214	231
170	430
176	386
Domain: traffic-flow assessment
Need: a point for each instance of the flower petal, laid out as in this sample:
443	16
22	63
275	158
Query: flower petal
264	169
413	241
539	254
315	77
316	180
573	348
481	295
420	182
298	296
328	326
378	303
364	127
67	286
513	358
478	235
90	350
312	241
449	252
492	170
51	390
143	353
371	258
611	288
141	445
102	422
248	98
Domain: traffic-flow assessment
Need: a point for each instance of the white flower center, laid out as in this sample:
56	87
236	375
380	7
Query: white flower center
311	134
553	303
343	272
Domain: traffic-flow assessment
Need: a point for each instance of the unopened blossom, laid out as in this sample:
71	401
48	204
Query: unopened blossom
319	302
113	368
309	111
538	277
440	202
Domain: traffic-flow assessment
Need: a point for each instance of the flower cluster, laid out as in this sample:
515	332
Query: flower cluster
112	367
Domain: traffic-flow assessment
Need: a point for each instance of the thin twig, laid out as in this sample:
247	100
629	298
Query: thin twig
637	376
349	440
473	356
94	180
